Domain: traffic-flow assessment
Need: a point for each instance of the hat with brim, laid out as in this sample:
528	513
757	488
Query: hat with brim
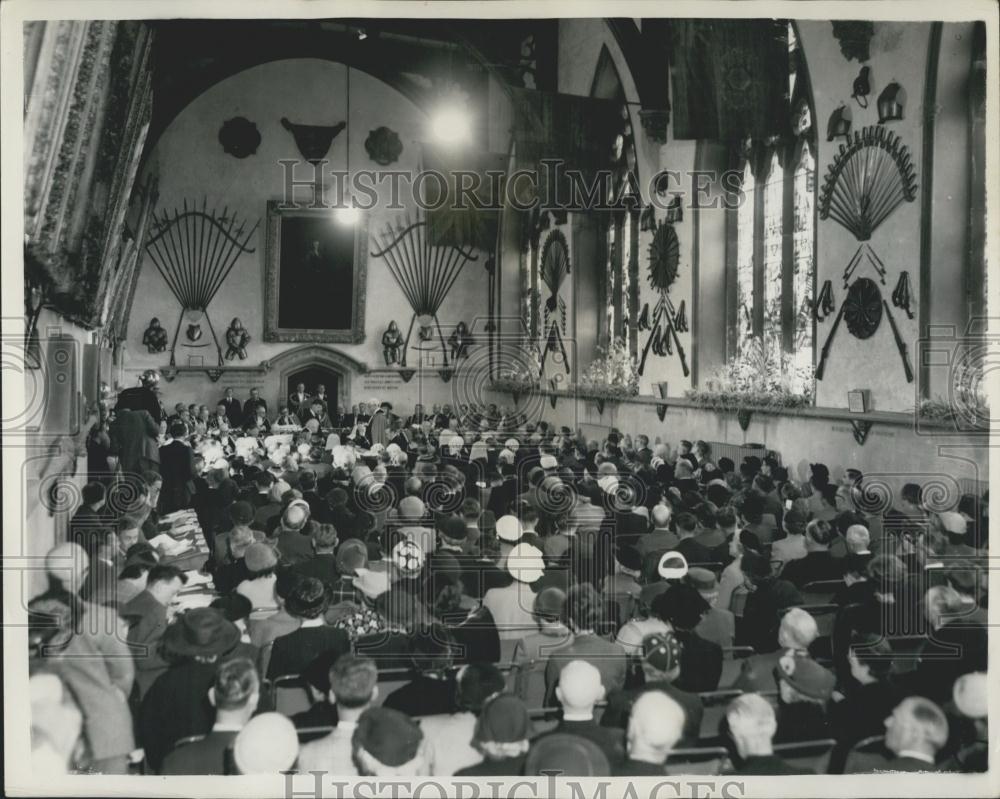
672	566
568	755
372	582
805	675
508	528
525	563
201	632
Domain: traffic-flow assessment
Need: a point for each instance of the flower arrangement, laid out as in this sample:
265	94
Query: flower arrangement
522	373
968	405
613	374
756	380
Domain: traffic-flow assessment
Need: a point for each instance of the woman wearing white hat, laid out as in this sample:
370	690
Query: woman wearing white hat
512	605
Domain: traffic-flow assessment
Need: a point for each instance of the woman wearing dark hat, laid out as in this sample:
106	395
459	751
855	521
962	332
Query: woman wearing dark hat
768	595
502	735
177	704
291	653
682	607
804	689
261	560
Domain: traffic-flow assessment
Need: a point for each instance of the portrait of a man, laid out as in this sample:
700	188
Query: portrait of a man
315	276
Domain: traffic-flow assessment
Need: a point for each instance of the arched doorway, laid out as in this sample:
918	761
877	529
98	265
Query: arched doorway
313	364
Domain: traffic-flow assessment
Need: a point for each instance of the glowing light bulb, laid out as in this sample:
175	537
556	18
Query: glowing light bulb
451	125
347	215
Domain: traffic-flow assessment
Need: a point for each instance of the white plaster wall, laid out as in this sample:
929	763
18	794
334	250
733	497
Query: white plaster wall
191	164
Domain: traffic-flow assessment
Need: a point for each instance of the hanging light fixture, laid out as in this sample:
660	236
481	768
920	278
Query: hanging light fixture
891	103
345	212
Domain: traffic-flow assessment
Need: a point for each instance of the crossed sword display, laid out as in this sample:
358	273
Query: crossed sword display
665	316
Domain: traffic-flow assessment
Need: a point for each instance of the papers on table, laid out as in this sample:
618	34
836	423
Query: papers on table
170	546
195	600
196	578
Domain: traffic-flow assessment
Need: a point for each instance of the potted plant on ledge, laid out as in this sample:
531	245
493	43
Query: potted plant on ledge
612	376
757	380
521	375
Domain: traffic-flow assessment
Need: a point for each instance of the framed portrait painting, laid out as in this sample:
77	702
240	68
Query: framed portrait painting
314	276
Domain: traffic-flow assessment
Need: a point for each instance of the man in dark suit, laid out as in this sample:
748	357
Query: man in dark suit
234	408
322	396
134	437
251	405
146	615
752	725
143	397
235	696
418	416
914	733
177	470
298	400
91	517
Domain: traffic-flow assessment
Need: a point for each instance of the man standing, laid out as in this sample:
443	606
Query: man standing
251	405
298	400
134	437
322	397
234	409
378	429
142	397
177	469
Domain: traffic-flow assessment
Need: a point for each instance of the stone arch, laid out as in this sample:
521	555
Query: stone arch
284	365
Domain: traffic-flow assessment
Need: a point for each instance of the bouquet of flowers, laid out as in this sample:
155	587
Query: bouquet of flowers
613	374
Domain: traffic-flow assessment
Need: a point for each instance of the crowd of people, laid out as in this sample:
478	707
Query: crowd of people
459	594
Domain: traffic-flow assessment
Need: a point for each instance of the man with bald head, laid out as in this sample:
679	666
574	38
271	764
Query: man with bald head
580	688
752	724
660	539
294	535
915	732
654	728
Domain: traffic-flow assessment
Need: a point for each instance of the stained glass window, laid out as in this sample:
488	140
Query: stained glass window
774	189
803	237
744	262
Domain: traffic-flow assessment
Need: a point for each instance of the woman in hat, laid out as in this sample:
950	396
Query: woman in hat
804	689
502	734
177	705
767	597
682	607
291	653
261	561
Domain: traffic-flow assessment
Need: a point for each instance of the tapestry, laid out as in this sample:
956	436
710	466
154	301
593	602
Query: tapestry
730	78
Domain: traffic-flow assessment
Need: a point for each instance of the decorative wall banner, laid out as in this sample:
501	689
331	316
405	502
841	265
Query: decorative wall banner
239	137
313	141
870	177
664	256
425	273
194	274
383	146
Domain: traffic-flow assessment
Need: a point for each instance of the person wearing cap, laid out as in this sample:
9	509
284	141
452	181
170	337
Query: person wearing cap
682	607
767	597
660	658
915	731
453	733
431	655
511	605
292	652
234	696
353	688
388	743
533	650
793	545
654	729
566	755
756	520
717	624
622	588
804	690
583	613
751	725
501	735
195	645
818	563
796	633
261	561
508	529
267	744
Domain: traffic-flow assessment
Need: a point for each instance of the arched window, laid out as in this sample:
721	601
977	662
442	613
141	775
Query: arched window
773	259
